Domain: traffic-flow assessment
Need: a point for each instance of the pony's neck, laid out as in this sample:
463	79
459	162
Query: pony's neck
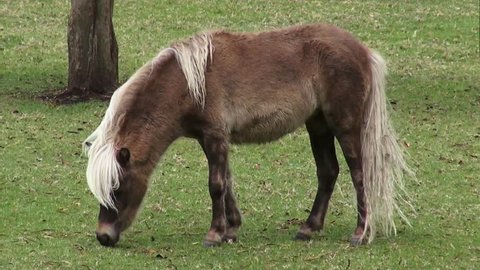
153	110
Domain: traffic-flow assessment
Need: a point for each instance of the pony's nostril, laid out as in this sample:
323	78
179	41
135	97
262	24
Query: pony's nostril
106	240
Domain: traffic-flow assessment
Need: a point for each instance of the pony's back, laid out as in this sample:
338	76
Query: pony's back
270	83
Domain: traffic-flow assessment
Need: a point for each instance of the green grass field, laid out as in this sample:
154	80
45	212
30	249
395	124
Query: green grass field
48	216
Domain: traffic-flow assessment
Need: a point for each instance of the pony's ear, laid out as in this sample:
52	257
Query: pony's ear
123	156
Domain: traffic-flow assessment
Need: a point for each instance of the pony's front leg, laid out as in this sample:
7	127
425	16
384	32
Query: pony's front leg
234	217
216	150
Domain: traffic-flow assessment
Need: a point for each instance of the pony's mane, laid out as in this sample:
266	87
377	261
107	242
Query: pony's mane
192	56
103	170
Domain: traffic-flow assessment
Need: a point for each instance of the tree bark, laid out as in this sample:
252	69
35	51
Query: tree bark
92	51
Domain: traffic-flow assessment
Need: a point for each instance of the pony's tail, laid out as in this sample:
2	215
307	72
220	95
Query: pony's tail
384	165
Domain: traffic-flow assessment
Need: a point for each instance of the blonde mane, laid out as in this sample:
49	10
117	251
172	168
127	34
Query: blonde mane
103	171
192	56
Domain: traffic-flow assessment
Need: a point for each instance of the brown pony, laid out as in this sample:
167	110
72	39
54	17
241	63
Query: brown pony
221	88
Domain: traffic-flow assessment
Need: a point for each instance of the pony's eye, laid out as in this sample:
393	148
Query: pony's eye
123	156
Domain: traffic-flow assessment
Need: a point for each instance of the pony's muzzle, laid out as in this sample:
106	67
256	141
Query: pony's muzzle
106	235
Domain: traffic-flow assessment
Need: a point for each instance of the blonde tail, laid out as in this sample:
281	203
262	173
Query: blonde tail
384	165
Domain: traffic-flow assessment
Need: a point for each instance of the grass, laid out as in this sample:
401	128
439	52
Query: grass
48	215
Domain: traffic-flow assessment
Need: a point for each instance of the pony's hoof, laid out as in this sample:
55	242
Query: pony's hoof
212	239
356	241
302	237
230	239
210	244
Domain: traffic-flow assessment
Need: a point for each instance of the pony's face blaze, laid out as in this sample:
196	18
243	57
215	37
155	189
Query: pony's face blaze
127	199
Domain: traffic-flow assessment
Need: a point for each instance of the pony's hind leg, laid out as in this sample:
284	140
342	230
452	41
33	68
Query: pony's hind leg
323	148
350	142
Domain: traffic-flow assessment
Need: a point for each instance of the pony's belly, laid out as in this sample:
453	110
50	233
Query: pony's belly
265	117
266	128
257	136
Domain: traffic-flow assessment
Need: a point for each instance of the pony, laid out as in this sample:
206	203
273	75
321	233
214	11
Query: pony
218	88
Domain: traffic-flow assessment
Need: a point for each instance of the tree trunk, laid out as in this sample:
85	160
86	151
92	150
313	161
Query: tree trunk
92	51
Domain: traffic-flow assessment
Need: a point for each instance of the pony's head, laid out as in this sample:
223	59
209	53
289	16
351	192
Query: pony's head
114	176
139	124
